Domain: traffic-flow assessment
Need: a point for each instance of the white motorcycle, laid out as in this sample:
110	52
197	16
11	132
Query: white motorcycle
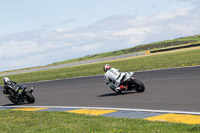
129	83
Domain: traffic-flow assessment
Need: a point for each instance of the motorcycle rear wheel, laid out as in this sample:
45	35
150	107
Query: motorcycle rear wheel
15	101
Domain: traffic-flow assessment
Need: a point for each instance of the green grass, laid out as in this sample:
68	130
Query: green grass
62	122
140	48
157	61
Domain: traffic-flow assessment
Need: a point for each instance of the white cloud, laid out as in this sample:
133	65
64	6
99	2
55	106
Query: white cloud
17	49
167	16
42	47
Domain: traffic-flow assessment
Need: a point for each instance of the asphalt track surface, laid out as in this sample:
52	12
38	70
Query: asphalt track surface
175	89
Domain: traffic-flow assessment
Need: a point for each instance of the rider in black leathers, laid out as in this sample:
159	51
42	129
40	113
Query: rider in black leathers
10	87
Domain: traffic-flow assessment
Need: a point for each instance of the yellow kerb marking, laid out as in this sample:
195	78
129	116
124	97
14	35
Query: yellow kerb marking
29	109
91	111
177	118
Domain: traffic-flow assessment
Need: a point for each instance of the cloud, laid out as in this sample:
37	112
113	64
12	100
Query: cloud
46	26
13	49
68	21
41	47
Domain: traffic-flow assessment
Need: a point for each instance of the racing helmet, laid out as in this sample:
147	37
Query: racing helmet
106	67
6	80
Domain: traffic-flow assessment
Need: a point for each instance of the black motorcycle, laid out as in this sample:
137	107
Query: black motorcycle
22	95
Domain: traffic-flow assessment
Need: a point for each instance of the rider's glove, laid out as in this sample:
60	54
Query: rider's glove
106	80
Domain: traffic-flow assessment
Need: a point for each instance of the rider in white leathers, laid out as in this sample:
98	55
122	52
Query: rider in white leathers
113	77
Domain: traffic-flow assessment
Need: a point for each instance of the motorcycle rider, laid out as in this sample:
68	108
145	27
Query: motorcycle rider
113	78
10	87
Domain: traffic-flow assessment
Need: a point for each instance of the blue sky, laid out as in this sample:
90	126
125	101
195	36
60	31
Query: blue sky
23	15
40	32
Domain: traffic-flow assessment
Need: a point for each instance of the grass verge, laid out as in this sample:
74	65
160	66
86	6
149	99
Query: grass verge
152	61
20	121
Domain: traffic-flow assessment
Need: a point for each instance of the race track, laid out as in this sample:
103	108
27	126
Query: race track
170	89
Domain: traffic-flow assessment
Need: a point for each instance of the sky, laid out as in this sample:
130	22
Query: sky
41	32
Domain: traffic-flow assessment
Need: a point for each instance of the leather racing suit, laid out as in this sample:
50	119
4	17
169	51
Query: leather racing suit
11	88
113	78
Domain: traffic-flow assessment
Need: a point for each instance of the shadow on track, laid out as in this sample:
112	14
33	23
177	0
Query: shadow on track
15	104
116	94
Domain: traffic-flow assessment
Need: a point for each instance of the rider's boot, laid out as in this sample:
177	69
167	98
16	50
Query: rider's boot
118	89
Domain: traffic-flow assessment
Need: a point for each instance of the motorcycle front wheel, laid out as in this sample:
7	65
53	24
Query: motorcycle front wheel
139	86
30	97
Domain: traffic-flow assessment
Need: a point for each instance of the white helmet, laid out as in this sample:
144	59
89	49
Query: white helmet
6	80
